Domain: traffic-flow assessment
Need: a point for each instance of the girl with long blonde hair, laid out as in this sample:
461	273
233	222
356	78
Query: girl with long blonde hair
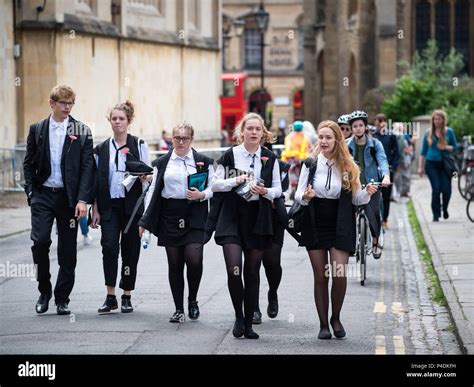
329	185
245	225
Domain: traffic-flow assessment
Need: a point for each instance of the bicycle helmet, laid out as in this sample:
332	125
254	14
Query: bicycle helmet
344	119
298	126
358	115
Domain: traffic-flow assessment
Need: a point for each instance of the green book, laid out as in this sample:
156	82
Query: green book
199	181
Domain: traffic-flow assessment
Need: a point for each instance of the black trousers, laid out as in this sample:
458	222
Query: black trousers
113	239
45	206
372	210
386	194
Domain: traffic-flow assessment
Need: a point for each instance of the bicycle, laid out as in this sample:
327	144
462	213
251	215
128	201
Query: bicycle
466	177
470	202
364	239
363	242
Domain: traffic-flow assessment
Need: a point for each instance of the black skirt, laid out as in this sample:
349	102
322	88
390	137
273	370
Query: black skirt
325	215
174	229
247	239
278	230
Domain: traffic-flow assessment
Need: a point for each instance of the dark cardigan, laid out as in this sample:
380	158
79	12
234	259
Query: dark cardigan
345	228
197	211
223	211
102	189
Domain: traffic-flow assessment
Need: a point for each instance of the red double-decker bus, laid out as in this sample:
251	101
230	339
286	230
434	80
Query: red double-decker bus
233	102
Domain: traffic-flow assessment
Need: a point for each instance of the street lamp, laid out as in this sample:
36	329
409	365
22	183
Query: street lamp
261	19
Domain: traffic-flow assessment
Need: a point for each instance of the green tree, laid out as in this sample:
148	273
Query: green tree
434	82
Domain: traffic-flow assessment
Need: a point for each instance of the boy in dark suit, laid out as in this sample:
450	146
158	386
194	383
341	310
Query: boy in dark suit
59	174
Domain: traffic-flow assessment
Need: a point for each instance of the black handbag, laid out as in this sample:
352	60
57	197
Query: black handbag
297	211
449	165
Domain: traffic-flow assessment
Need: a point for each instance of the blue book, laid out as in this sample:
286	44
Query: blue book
199	181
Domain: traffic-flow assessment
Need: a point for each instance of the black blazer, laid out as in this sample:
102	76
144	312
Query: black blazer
77	161
102	187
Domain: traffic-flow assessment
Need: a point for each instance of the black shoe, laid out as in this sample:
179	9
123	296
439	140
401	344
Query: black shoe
238	330
435	219
177	317
193	310
62	309
340	334
110	304
249	333
257	317
272	309
43	303
126	305
324	334
445	214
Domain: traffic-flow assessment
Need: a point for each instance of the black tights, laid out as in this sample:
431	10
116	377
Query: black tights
239	294
319	261
272	264
177	256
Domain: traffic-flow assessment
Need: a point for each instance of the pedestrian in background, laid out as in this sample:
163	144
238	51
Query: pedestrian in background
439	141
390	146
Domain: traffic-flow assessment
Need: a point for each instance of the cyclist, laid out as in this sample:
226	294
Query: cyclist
343	122
369	154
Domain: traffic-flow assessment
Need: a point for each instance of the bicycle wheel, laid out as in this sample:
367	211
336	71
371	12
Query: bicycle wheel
362	250
470	209
462	183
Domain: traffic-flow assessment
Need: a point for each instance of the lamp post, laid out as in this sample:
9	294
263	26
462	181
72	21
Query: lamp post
261	19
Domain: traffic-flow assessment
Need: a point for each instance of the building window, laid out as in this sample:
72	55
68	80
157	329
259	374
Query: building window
423	21
321	12
252	42
461	33
298	106
442	26
193	13
450	22
228	88
300	49
85	6
155	6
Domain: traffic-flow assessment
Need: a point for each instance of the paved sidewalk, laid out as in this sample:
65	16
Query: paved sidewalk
14	221
451	243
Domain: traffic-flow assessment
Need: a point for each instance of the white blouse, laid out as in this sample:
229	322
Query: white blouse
176	178
327	183
246	161
117	171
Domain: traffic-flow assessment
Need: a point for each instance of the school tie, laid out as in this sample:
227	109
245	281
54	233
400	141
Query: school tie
329	176
117	150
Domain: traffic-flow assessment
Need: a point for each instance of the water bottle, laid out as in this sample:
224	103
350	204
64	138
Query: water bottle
146	239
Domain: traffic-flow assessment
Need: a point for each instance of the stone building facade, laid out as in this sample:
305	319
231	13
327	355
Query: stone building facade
352	46
283	57
163	55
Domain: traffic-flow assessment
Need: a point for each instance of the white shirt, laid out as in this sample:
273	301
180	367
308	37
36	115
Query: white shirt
57	136
176	178
327	183
116	188
243	161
